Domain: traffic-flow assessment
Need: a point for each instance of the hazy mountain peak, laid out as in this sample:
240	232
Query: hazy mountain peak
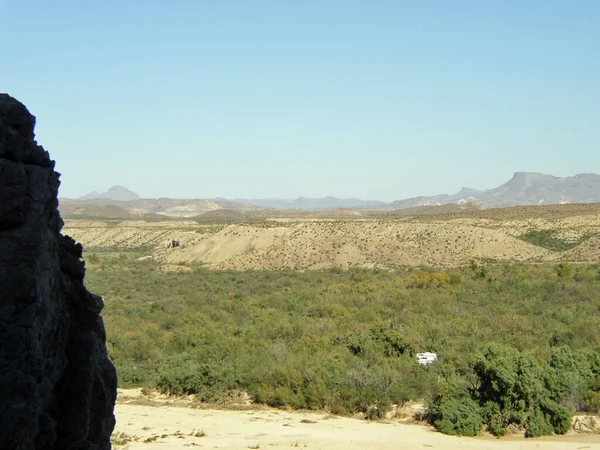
118	193
121	193
524	188
91	196
529	188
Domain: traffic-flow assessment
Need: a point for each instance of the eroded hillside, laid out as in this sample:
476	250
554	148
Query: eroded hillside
315	244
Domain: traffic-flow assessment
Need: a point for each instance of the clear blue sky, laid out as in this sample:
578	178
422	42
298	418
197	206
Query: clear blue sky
283	98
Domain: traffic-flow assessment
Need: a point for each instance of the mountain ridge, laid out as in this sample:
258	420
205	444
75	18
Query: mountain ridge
523	189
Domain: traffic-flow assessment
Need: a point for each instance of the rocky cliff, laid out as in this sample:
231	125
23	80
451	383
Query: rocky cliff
57	385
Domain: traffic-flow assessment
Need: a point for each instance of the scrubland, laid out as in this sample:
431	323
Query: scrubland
327	315
344	341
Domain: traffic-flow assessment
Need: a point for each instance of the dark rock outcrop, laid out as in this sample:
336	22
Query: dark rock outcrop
57	385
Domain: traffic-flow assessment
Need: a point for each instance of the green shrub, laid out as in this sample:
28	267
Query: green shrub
455	279
496	425
564	270
572	376
509	378
482	272
511	384
592	402
559	416
461	417
183	376
495	420
538	425
393	342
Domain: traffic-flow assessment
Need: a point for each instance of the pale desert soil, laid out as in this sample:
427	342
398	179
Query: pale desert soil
318	244
172	427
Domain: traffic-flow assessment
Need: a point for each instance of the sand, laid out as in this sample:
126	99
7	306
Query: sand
173	427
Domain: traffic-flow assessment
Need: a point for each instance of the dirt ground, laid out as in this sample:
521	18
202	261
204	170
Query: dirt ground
167	425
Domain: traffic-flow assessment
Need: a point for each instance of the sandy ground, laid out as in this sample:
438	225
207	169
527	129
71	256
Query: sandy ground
171	427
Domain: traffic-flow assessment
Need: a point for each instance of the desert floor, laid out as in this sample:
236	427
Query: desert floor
164	426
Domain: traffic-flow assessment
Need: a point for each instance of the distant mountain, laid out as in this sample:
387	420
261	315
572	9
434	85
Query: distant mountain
91	196
270	203
118	193
524	188
336	203
317	203
465	195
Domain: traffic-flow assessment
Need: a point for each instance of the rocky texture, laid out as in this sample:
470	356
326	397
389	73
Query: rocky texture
57	385
586	424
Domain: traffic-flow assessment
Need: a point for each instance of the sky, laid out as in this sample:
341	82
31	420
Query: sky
279	99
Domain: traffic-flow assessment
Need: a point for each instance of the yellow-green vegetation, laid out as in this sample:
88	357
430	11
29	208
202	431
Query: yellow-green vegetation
517	344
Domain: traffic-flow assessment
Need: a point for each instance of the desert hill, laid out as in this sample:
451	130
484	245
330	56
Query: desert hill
160	207
92	211
522	234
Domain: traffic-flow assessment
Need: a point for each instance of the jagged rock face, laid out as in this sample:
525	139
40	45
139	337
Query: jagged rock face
57	385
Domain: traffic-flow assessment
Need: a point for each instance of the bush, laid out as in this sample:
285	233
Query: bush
494	419
572	376
559	416
459	417
482	272
496	425
564	270
509	378
538	425
512	385
378	411
421	279
185	377
592	402
455	279
393	342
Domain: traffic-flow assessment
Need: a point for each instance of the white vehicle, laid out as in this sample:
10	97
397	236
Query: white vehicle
426	358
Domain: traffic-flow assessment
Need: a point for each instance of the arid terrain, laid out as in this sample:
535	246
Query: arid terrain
303	243
158	422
